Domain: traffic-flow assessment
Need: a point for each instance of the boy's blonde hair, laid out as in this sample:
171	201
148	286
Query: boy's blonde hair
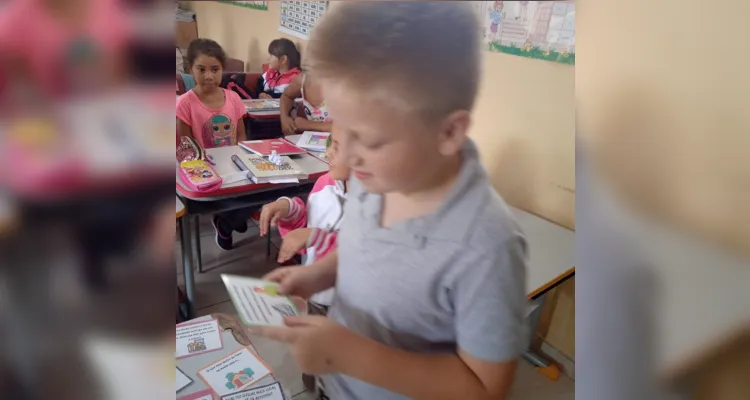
424	54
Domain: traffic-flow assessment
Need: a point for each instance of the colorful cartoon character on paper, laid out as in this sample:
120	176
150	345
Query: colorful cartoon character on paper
236	380
198	173
270	290
198	344
496	17
219	130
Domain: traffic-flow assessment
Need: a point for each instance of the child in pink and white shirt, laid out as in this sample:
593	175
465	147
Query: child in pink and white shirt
311	227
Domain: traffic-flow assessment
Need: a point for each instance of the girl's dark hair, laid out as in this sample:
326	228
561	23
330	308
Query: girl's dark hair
285	47
206	47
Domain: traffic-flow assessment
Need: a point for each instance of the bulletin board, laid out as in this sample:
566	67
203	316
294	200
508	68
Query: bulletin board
298	18
256	5
543	30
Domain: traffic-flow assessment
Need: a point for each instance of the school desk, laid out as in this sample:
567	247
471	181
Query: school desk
180	208
233	196
551	262
235	336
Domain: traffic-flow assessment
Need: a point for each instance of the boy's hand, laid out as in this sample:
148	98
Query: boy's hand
288	126
301	123
314	341
264	96
270	214
293	242
298	281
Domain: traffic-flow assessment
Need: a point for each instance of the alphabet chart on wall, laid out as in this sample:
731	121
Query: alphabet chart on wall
298	18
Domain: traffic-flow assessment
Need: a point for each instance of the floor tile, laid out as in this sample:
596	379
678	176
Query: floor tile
249	257
531	385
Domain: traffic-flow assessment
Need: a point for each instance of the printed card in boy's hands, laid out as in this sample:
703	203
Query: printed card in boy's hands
258	302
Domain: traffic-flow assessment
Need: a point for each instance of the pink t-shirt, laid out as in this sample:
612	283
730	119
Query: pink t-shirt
212	127
52	52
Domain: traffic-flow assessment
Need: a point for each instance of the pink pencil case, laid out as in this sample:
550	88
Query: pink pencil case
199	175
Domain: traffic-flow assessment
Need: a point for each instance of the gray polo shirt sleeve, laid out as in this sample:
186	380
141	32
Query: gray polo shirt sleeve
490	301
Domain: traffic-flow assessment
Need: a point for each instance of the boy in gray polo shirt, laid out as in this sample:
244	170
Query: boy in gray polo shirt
430	269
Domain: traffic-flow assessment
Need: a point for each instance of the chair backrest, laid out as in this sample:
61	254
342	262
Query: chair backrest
234	65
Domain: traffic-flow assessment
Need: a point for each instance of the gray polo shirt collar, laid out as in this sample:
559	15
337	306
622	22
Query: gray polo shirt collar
449	222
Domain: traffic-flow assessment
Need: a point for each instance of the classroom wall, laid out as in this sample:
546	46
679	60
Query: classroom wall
662	90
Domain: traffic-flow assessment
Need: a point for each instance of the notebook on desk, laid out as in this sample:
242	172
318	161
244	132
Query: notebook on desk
262	170
262	105
267	146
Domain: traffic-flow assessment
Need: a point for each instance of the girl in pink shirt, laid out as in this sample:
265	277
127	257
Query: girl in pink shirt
209	113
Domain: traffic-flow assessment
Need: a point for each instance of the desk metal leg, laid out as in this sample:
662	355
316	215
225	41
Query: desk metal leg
550	370
197	222
187	262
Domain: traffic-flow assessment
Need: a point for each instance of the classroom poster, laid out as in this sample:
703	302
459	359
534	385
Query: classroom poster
298	18
544	30
256	5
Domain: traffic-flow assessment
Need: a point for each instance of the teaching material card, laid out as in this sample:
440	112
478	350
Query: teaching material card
198	338
182	380
315	141
235	372
207	394
267	392
258	302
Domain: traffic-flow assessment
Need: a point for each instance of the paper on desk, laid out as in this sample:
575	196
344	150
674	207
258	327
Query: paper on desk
234	177
182	380
284	180
267	392
197	338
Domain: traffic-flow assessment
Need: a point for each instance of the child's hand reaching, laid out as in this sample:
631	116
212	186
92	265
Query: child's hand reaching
298	281
301	123
264	96
293	242
271	213
288	125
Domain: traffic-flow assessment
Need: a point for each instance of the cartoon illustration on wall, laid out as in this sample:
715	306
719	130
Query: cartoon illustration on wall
219	131
236	380
197	345
496	16
543	30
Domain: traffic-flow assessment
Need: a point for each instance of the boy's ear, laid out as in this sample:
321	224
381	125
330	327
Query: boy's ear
453	132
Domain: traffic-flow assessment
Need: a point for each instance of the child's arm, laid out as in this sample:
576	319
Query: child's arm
184	129
307	125
296	218
322	241
286	104
184	117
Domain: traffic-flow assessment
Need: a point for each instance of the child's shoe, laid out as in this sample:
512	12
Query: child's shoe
223	233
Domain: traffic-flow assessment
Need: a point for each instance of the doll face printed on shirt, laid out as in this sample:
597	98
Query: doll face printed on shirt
218	131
